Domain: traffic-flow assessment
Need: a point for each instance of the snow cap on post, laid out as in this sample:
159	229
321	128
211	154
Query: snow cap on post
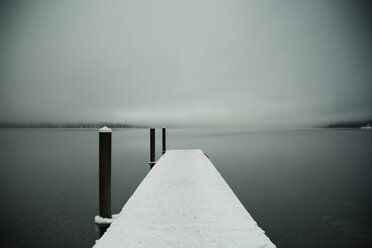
105	130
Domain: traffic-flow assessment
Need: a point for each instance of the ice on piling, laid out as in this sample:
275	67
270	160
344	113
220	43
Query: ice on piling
100	220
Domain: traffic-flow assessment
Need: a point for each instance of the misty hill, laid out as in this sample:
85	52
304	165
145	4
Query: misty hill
350	124
68	125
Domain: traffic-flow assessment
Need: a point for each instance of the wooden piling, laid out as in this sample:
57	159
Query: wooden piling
152	147
164	147
105	172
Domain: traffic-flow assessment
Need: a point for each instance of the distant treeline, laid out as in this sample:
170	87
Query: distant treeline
68	125
351	124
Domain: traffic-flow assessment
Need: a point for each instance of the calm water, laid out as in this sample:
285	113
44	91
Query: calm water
305	188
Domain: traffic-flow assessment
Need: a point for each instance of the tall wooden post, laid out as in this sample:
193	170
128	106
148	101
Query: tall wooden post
105	172
164	148
152	147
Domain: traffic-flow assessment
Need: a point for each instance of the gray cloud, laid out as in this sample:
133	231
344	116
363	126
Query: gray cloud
202	63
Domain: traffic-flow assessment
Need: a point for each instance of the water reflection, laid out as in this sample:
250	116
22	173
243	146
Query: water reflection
101	229
305	188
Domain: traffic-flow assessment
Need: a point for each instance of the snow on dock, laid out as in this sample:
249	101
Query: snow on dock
184	202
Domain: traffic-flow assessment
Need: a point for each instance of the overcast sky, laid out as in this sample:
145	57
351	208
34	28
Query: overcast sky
195	62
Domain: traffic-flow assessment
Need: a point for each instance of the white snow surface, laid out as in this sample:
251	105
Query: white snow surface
368	127
105	130
184	202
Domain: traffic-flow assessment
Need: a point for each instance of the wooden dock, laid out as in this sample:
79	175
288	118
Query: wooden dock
184	202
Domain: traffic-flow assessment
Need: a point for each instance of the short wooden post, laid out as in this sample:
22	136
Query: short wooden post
152	147
164	140
105	172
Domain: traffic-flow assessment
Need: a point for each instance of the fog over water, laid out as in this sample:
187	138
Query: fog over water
186	63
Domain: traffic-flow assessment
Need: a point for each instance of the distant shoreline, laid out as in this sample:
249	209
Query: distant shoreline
69	125
97	125
351	124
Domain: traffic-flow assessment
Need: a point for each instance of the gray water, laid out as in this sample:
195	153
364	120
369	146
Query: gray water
304	187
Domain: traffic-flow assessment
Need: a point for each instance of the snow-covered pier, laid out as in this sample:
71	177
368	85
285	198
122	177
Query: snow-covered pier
184	202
